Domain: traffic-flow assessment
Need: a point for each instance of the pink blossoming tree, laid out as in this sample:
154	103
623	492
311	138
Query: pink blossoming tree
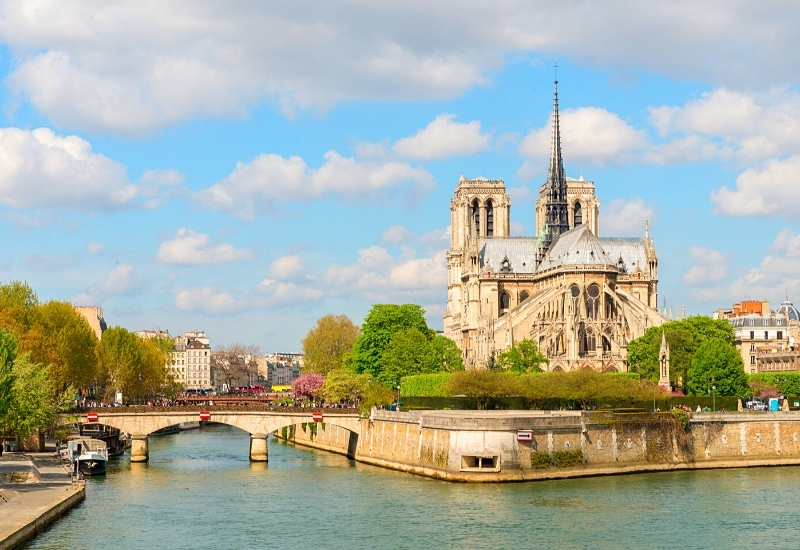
307	385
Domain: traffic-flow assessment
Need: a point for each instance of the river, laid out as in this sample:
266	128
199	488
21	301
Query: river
200	491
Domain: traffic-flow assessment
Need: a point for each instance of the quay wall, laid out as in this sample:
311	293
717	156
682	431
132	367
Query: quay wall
482	446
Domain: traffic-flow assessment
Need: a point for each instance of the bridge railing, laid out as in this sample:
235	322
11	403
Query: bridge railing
177	409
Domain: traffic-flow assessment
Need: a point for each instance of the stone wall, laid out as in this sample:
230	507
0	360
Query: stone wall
483	445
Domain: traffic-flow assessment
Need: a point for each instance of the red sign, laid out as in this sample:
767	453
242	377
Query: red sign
91	417
524	435
317	417
205	415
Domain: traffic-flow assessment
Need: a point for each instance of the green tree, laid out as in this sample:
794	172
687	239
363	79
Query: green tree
483	385
406	355
342	385
443	356
380	325
8	352
19	313
69	346
523	356
134	366
717	363
325	345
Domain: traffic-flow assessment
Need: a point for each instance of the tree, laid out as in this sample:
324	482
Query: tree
19	313
121	359
342	385
69	346
8	352
717	363
325	345
443	356
482	385
380	325
405	355
237	363
522	356
306	386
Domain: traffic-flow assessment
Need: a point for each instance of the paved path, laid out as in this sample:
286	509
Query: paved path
35	489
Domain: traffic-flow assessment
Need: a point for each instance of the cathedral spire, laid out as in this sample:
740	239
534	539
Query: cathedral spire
556	186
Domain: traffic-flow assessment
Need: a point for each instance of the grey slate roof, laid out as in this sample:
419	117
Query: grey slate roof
631	251
578	246
521	253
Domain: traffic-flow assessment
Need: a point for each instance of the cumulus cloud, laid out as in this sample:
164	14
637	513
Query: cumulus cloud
589	135
443	138
287	267
626	218
123	279
189	247
120	68
40	169
770	189
710	267
268	294
257	186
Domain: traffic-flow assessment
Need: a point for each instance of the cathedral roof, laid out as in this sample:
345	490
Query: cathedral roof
521	253
577	246
632	251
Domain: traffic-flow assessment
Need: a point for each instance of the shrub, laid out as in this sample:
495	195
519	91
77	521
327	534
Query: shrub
682	417
567	459
425	385
540	461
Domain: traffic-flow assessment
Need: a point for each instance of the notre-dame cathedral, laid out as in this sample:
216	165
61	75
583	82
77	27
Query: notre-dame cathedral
580	297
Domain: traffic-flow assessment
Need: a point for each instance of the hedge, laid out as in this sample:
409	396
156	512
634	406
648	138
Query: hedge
424	385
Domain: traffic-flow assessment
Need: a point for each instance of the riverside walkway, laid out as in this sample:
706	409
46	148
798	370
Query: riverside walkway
258	421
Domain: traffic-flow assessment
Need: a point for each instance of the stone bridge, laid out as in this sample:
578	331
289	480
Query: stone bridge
140	422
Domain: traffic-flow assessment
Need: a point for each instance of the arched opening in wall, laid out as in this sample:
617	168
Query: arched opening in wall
611	312
476	217
524	296
606	344
610	368
577	214
591	341
592	301
558	369
505	302
581	342
489	219
575	292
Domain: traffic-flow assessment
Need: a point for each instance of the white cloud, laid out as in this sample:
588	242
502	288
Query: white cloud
589	135
397	234
123	279
192	248
95	248
47	262
710	267
443	138
268	294
771	189
626	218
124	67
256	186
39	169
287	267
207	300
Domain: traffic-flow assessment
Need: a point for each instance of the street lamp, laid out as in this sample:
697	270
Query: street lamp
397	407
714	397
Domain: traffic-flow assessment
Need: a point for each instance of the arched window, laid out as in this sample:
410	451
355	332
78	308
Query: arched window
476	217
524	296
505	301
591	342
489	219
577	214
592	301
581	341
606	343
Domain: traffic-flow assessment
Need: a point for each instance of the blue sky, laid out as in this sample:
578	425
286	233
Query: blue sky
244	169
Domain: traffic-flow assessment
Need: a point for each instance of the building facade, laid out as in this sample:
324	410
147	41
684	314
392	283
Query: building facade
93	316
580	297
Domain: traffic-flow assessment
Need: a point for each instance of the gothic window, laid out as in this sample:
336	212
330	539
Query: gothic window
505	301
523	296
476	217
577	215
581	341
606	344
489	219
592	301
591	342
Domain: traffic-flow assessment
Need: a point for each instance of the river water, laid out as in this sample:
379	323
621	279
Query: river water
200	491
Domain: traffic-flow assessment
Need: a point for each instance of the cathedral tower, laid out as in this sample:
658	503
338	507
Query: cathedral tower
555	207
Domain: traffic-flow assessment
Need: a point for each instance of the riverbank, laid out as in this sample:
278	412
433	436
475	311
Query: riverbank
35	490
504	446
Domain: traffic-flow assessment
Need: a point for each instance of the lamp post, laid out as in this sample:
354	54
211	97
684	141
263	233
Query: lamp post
397	407
714	397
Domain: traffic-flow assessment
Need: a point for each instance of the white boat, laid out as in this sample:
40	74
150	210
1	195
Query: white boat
86	455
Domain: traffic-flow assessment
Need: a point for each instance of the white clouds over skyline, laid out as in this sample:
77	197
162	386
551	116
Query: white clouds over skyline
443	138
189	247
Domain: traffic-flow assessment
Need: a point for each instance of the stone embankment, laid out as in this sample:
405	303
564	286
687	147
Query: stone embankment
496	446
35	490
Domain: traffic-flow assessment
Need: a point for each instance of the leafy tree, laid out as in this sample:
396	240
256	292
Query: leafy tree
443	356
522	356
19	313
342	385
425	385
120	360
325	345
8	353
482	385
406	354
306	386
717	363
787	383
374	394
69	346
380	325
